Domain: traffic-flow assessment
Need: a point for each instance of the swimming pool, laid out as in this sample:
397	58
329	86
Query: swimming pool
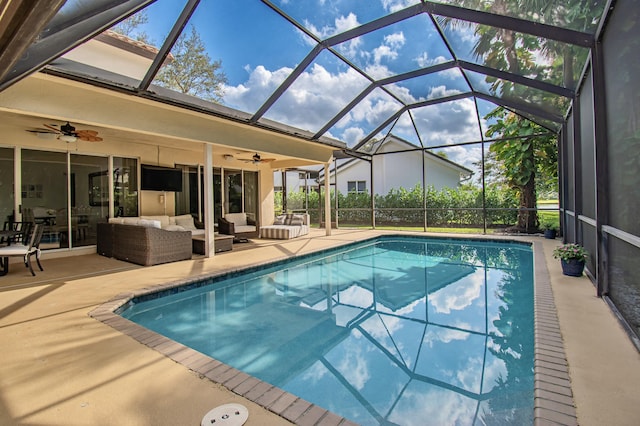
406	330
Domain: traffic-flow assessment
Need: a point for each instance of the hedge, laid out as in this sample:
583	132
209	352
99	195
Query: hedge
401	207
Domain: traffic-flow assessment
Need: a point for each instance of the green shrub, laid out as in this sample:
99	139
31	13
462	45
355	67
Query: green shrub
445	208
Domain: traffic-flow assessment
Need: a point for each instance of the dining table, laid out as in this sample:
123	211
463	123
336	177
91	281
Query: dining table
9	235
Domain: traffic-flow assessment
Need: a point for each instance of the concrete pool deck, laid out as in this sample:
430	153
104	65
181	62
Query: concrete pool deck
62	367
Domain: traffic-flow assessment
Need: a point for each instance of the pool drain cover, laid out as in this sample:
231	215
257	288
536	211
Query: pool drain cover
227	414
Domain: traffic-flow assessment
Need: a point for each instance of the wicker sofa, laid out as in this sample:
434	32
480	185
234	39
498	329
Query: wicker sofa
144	245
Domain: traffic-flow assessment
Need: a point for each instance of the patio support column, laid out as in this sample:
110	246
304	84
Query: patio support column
335	185
208	201
424	192
373	197
327	199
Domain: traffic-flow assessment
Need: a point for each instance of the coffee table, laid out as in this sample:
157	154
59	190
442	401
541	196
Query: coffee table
221	242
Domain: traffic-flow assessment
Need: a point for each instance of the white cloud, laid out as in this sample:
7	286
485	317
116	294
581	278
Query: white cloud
353	135
395	5
315	97
395	40
447	123
441	92
252	93
459	295
382	53
341	24
423	60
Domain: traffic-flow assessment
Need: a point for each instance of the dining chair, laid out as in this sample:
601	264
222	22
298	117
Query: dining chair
26	251
22	230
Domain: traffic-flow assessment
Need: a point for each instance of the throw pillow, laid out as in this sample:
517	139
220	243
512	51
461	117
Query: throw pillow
149	223
186	221
164	220
297	220
287	220
280	219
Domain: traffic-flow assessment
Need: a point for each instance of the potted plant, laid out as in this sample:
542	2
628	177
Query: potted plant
550	230
572	257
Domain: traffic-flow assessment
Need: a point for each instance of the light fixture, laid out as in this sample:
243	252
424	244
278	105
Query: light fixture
68	138
46	135
228	157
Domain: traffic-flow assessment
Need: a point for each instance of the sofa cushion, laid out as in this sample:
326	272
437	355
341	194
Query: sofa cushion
130	220
244	228
174	228
279	220
186	221
164	219
238	219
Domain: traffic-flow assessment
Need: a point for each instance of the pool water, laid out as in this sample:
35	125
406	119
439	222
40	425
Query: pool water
404	330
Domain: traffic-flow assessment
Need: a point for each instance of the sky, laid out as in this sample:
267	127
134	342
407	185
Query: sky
259	49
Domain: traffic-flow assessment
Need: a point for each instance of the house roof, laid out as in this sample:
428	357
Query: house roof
408	148
123	42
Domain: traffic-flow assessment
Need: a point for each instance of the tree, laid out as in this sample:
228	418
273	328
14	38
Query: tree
516	52
191	71
527	152
130	27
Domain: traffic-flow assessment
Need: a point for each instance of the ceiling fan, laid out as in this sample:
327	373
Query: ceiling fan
256	159
68	133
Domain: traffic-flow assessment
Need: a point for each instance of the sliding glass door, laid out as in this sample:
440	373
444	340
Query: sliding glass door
239	193
88	204
7	199
44	191
70	193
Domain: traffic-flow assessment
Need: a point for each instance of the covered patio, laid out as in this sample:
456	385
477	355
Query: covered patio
62	367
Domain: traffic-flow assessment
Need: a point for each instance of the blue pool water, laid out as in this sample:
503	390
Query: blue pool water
404	330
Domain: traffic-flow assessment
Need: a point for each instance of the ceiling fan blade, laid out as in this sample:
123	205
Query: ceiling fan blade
47	131
52	128
89	132
90	138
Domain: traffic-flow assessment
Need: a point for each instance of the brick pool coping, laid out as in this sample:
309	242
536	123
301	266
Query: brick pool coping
553	397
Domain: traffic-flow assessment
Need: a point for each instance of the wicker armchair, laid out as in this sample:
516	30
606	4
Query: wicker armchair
142	244
238	225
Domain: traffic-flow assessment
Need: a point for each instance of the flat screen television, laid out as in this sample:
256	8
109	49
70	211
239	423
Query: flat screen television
158	178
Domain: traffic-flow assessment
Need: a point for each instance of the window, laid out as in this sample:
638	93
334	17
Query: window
357	186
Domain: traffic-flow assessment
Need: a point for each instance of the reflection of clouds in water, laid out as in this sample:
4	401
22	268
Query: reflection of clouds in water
493	369
354	365
470	378
457	296
356	296
315	373
443	335
433	406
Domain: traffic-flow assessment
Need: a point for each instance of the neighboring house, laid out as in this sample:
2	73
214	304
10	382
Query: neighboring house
117	53
400	170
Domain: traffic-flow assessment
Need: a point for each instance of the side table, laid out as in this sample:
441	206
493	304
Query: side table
221	243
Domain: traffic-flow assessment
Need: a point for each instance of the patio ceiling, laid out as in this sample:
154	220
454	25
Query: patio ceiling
344	69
